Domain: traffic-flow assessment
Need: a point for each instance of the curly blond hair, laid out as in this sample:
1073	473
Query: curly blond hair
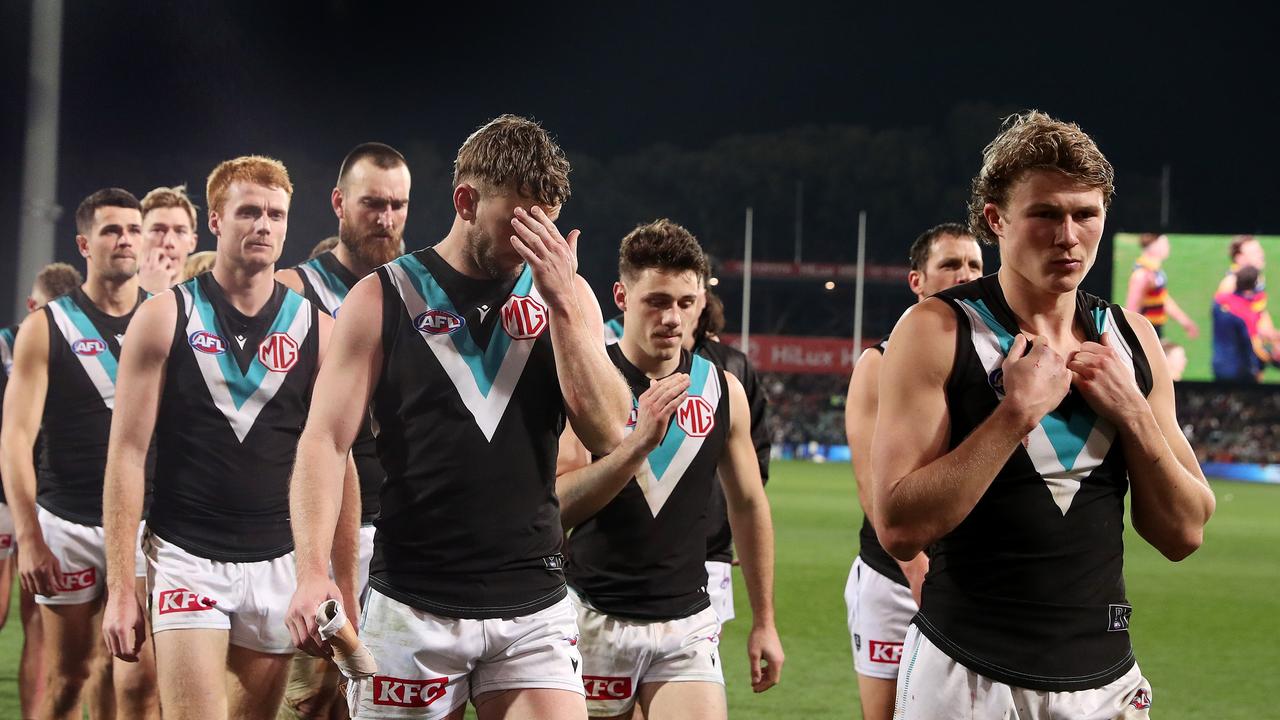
512	149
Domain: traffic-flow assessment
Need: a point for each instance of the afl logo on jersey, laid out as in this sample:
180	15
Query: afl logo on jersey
996	380
88	347
278	352
523	317
438	322
206	342
696	417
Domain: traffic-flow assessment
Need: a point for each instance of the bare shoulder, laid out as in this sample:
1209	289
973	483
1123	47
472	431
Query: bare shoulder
290	278
924	340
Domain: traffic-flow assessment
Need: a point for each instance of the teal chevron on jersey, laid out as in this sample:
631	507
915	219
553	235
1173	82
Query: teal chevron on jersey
613	329
242	385
667	463
76	327
485	379
484	364
7	336
329	287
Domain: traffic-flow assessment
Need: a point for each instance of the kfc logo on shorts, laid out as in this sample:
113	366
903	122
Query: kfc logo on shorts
438	322
606	688
183	600
88	347
523	317
889	653
1141	699
278	352
696	417
206	342
78	580
398	692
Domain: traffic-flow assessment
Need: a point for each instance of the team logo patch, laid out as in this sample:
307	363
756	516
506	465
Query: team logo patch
889	653
601	687
1141	699
278	352
183	600
634	417
696	417
438	322
78	580
1120	615
88	347
398	692
523	317
207	343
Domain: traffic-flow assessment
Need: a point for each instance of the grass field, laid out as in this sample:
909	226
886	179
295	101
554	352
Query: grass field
1195	266
1200	626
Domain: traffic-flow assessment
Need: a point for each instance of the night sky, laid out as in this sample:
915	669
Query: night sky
157	93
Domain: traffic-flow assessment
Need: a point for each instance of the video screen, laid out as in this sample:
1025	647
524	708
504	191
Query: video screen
1207	297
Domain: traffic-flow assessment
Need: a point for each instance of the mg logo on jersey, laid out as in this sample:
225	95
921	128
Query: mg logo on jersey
606	688
889	653
398	692
88	347
523	317
696	417
278	352
78	580
183	600
206	342
438	322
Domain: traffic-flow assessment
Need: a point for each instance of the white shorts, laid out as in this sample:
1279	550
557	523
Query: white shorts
81	554
619	655
7	542
248	599
935	687
879	612
720	588
429	665
363	558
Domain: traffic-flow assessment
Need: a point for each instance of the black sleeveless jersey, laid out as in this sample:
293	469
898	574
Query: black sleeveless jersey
643	555
869	547
235	398
84	347
326	282
7	336
469	415
1029	589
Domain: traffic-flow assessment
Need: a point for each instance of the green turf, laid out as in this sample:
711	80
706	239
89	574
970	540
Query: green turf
1200	626
1195	266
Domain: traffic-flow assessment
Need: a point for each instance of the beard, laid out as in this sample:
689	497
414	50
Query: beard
484	253
372	249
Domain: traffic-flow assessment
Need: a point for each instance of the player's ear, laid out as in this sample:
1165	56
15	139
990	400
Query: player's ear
991	213
82	244
465	201
335	200
915	280
620	295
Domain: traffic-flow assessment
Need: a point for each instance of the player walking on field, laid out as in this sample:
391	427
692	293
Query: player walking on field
473	352
1015	413
221	368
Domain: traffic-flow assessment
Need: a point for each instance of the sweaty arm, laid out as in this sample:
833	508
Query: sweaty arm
860	425
23	409
1171	499
585	490
921	490
292	279
752	527
322	495
139	381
